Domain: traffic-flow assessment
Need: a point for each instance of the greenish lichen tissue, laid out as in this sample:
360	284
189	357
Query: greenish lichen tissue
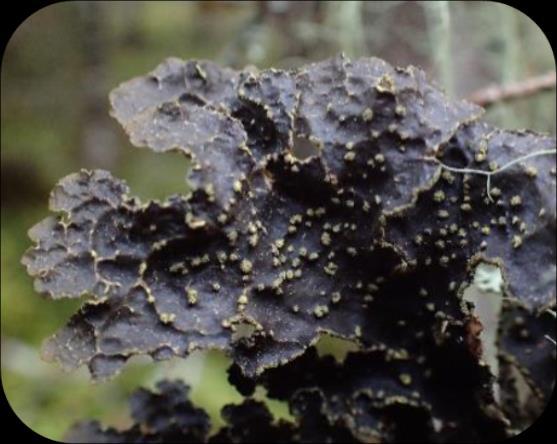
316	209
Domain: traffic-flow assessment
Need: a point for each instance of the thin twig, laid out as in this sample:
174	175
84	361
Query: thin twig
552	313
516	90
490	173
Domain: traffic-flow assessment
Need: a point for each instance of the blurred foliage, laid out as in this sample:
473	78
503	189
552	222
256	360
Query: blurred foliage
62	62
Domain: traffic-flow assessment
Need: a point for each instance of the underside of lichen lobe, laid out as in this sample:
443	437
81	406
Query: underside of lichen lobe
365	238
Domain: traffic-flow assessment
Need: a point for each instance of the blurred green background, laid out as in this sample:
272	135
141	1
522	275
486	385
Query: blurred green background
58	69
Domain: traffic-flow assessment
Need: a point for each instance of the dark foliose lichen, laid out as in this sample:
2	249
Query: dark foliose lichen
385	396
343	197
166	415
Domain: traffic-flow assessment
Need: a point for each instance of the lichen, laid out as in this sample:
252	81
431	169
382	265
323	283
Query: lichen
365	238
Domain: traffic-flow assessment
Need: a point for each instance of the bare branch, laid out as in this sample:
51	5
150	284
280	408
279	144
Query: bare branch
516	90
